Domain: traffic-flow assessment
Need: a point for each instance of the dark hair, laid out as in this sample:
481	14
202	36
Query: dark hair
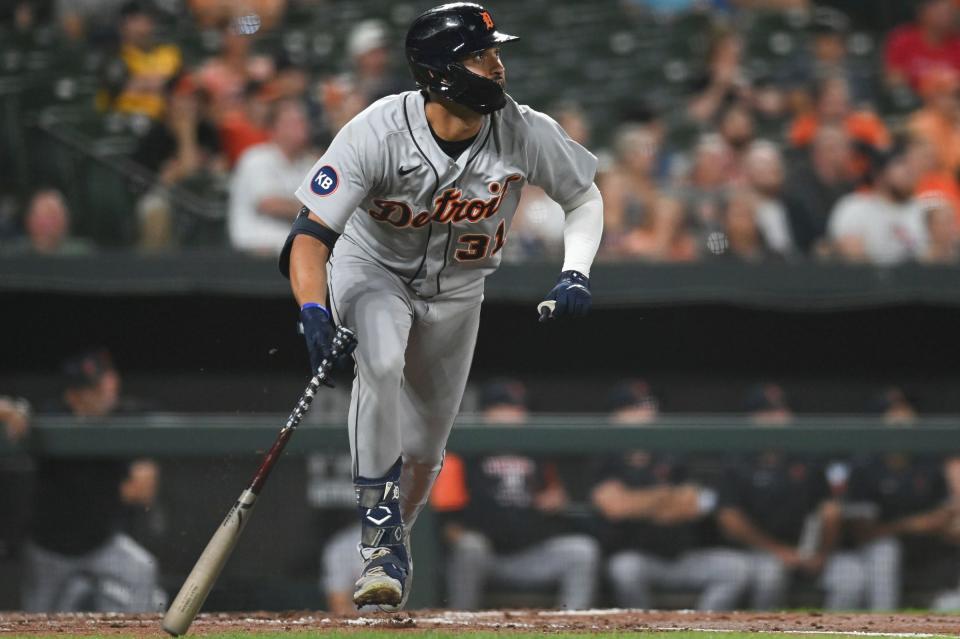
135	8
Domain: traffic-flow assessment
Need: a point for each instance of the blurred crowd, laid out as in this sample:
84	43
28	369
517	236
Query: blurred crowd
828	154
636	528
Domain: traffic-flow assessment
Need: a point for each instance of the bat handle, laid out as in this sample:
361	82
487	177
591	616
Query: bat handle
545	309
344	341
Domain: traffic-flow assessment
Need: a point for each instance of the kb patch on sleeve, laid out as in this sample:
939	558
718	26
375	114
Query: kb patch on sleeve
325	181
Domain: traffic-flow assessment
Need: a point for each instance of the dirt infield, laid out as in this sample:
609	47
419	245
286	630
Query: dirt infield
506	621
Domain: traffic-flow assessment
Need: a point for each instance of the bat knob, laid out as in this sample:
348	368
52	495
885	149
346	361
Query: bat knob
545	309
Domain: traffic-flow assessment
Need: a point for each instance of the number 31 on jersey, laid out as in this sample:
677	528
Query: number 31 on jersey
478	243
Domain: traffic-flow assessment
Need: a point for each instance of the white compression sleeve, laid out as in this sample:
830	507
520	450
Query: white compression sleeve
582	230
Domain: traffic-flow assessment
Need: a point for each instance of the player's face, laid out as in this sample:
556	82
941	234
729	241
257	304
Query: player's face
487	63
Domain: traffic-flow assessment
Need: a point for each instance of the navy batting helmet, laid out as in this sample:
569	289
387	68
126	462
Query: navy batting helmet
437	42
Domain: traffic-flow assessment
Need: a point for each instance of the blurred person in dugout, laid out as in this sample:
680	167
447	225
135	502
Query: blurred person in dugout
652	519
78	558
15	473
134	81
780	513
262	206
632	402
898	509
950	531
502	520
330	492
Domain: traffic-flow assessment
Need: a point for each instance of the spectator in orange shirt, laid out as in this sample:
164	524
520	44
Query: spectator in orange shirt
246	125
834	106
930	43
938	122
935	182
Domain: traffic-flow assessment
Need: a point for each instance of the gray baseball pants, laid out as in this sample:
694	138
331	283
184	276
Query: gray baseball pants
120	576
412	361
720	575
568	561
844	580
878	565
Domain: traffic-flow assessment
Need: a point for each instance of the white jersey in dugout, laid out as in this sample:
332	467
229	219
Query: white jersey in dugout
437	222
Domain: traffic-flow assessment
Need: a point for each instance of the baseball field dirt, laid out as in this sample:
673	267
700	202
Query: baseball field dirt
521	623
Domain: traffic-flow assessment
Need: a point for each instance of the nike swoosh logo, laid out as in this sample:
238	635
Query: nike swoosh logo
402	171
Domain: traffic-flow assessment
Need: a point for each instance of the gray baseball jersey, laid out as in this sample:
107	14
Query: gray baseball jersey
439	223
420	230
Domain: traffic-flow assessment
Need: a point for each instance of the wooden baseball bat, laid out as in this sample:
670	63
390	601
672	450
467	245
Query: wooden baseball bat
195	589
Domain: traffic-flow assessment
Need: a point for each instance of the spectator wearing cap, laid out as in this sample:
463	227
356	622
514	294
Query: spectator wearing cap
884	225
262	206
47	226
136	79
928	44
815	183
370	69
502	518
632	402
90	564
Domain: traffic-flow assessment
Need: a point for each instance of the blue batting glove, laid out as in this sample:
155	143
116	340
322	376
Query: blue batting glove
570	297
317	330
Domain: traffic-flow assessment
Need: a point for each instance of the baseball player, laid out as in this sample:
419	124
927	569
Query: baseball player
404	216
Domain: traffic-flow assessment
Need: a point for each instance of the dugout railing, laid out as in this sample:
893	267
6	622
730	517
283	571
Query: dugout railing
205	461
